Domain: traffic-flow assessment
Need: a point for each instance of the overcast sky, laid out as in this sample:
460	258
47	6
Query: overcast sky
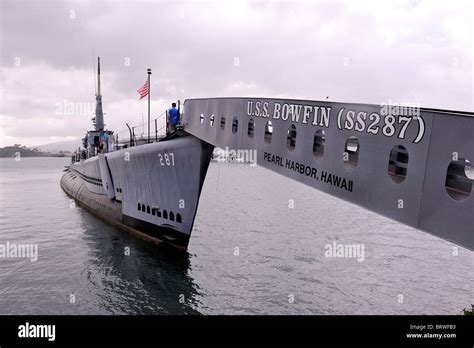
352	51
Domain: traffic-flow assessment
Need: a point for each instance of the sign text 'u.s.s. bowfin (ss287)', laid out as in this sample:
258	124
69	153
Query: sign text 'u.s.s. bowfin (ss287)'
390	121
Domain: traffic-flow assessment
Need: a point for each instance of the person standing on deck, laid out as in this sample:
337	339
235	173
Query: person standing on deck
173	117
105	137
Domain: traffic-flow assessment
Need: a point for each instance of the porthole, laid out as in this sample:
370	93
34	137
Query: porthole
268	132
459	179
235	125
398	164
291	138
165	214
251	128
171	216
469	170
351	153
318	143
222	122
211	121
178	218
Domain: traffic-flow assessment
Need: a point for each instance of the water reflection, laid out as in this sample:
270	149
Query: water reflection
150	280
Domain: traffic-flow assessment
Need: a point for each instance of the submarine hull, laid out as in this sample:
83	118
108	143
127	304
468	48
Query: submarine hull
151	191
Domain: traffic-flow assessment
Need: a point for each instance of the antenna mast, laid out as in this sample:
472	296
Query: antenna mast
99	115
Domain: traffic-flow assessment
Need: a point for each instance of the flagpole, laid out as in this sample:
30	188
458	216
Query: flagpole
149	74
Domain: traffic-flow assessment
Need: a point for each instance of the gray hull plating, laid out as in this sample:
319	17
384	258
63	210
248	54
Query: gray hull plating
151	190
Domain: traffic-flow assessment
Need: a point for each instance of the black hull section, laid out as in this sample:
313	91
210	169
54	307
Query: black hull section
160	233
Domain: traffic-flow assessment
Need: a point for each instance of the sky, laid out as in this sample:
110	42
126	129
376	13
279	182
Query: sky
417	52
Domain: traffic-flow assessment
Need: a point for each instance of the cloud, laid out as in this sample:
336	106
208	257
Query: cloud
364	51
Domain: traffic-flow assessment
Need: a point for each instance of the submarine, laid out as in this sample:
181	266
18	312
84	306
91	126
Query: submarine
149	189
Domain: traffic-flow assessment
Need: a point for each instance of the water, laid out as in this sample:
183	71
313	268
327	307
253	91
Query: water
280	267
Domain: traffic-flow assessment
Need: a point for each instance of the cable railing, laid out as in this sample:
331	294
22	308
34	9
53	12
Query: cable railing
132	136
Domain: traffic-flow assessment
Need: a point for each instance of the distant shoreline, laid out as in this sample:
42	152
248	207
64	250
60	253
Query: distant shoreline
19	151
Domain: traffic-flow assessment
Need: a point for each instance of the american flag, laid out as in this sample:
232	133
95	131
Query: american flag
143	91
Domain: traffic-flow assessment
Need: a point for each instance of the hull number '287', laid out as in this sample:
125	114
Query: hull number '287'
166	159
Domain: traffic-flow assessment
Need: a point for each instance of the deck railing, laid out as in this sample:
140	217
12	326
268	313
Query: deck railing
133	136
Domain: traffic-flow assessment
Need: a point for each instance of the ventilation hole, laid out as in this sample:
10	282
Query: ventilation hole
202	118
165	214
178	218
291	138
458	179
211	121
251	129
171	216
398	164
139	206
148	209
235	125
222	122
143	207
351	153
268	132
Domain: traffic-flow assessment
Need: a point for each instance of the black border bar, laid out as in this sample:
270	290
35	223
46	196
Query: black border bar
289	331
